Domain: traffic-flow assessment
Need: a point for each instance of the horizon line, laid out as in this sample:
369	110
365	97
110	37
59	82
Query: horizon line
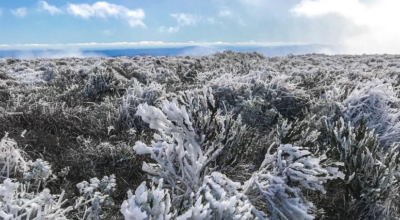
147	44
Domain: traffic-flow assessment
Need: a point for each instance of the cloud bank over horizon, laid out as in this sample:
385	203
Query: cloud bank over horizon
168	49
51	54
142	44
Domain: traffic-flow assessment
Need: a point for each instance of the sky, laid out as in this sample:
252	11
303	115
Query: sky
360	26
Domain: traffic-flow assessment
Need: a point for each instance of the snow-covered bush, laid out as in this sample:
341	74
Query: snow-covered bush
221	198
49	71
11	160
38	170
378	104
94	196
16	203
101	80
302	132
137	94
217	198
148	203
371	173
27	200
188	140
260	97
281	179
188	143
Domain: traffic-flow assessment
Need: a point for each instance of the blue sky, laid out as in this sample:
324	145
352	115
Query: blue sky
353	23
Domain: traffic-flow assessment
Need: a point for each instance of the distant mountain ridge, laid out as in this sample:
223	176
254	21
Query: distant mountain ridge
171	51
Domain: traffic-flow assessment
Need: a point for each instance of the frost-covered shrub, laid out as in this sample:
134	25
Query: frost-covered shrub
281	179
38	175
38	170
378	104
371	173
94	196
135	95
304	132
189	76
261	97
329	104
27	199
48	71
127	109
148	203
16	203
101	80
218	198
188	142
191	137
222	199
11	160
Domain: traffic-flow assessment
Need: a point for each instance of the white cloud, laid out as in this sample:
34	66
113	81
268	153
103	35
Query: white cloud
105	9
348	8
183	19
49	8
378	19
19	12
186	19
225	13
82	10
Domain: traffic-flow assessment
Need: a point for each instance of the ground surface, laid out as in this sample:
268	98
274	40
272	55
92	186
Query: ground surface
80	113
